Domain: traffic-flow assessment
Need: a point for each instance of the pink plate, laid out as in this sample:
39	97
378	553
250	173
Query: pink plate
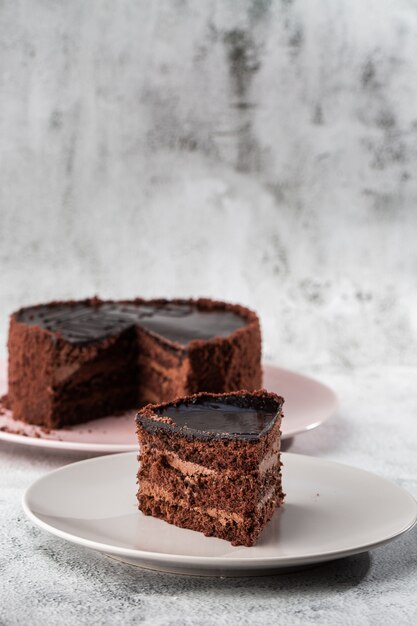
308	404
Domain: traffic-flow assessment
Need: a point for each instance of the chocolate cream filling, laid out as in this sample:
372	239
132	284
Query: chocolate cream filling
187	468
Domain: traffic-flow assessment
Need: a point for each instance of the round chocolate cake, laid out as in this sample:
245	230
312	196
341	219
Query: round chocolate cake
70	362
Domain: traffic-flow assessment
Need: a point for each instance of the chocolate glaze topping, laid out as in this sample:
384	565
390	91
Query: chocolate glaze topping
226	416
84	322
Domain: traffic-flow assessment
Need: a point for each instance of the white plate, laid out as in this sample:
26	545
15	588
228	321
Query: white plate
331	511
308	404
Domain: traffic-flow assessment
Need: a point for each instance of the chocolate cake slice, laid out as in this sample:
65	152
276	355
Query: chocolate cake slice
70	362
211	463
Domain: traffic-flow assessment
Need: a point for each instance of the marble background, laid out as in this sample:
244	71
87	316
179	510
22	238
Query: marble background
256	151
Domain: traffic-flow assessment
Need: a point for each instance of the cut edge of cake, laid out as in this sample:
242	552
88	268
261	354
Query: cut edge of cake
226	485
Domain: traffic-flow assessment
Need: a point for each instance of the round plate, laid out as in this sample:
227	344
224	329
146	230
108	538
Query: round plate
308	404
331	511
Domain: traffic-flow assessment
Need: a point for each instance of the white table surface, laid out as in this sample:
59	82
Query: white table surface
44	580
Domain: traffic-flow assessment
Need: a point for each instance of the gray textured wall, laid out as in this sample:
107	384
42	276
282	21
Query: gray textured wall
259	151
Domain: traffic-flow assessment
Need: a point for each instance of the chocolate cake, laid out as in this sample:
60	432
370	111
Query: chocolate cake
211	463
70	362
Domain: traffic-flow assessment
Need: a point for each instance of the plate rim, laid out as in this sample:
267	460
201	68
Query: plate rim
118	448
214	562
